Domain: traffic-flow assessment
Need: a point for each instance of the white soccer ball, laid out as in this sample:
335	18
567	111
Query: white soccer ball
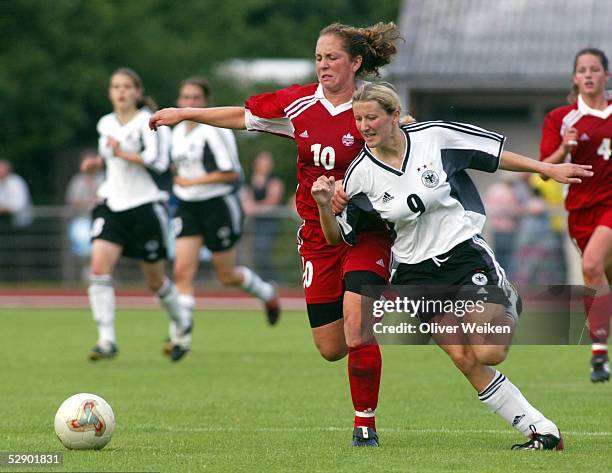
84	422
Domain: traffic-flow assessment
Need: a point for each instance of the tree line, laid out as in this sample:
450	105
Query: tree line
56	57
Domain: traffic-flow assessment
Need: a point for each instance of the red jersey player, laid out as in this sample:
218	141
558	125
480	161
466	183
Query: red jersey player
582	132
319	118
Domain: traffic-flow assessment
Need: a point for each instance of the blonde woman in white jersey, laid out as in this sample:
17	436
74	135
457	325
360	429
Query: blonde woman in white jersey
130	219
412	179
208	177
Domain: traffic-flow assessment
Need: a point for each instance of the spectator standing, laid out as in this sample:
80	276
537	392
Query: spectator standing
262	197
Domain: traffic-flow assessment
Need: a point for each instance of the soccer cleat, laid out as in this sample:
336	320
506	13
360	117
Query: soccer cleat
540	442
181	345
364	437
273	309
177	352
600	369
100	353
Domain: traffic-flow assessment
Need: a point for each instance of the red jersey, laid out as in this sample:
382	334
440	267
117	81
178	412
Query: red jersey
326	136
594	147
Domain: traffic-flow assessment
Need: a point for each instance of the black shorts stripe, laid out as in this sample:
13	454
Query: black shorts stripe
325	313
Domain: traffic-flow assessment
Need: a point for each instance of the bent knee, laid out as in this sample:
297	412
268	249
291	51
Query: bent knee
491	355
593	269
332	353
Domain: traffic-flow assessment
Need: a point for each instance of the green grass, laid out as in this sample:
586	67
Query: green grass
251	398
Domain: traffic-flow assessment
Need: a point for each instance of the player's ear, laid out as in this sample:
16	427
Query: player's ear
357	61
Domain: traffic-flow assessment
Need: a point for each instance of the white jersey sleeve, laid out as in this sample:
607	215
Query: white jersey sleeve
466	146
277	126
156	146
359	212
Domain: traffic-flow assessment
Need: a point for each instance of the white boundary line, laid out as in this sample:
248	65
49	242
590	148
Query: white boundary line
392	429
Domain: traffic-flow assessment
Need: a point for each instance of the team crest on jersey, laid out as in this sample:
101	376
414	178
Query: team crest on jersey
430	178
479	279
348	140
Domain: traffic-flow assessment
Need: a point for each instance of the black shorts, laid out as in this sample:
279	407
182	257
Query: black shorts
218	220
141	231
467	271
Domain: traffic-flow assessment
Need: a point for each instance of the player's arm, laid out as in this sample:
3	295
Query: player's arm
216	177
553	147
322	191
222	117
566	173
134	158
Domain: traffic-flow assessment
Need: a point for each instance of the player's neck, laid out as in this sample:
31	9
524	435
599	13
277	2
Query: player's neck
125	115
338	97
596	102
393	150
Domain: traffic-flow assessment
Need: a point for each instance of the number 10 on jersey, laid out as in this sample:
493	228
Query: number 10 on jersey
325	157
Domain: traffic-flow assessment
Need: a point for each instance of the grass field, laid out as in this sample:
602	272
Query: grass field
251	398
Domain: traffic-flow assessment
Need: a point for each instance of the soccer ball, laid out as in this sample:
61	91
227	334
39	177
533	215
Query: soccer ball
84	422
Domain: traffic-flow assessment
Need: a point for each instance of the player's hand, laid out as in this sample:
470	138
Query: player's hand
323	189
339	200
570	140
184	181
90	164
569	173
165	117
114	144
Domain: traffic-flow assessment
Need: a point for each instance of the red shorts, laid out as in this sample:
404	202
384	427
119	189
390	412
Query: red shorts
324	266
582	223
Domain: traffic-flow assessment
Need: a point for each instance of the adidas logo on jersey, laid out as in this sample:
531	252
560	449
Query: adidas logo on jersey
380	262
387	197
584	137
304	134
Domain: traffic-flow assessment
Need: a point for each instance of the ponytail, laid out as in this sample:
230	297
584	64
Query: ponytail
375	44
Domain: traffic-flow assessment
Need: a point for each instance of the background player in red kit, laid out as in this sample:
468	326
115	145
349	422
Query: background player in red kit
319	118
582	131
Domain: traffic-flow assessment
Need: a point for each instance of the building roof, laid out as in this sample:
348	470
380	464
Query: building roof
497	44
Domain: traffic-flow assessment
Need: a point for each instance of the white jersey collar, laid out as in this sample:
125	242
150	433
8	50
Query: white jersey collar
586	110
335	110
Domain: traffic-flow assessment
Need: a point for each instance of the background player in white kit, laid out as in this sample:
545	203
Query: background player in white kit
130	220
209	211
412	178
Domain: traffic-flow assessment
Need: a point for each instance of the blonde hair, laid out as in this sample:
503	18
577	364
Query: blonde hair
375	44
381	92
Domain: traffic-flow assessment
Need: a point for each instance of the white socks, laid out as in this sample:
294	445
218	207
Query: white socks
102	301
169	298
256	286
504	399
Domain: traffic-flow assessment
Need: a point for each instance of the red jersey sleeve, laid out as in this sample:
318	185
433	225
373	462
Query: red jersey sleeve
551	137
272	104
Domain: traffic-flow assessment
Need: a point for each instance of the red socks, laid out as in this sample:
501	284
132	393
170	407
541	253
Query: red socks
598	311
364	367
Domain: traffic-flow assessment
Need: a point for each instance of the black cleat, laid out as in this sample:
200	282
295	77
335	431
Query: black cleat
600	369
273	309
541	442
181	346
364	437
177	352
99	353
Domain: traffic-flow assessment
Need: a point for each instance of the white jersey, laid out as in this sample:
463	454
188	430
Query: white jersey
128	185
430	204
201	151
